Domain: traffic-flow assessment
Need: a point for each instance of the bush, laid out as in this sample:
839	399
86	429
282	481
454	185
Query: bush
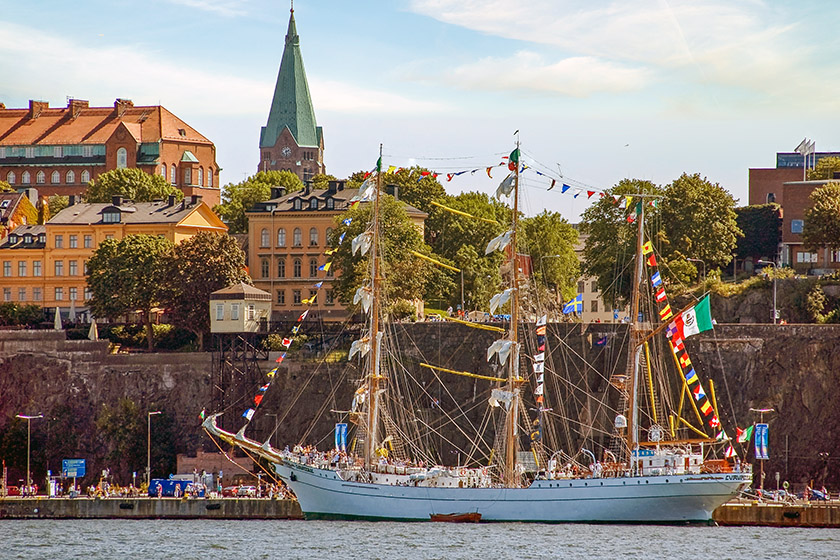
166	337
13	314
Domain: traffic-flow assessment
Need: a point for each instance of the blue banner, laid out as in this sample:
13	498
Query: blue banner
762	441
341	437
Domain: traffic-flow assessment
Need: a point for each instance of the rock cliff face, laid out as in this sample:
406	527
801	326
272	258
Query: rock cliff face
793	368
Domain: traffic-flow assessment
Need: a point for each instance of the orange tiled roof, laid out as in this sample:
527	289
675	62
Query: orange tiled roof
92	125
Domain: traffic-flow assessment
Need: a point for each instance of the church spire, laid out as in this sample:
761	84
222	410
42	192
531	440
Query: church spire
291	106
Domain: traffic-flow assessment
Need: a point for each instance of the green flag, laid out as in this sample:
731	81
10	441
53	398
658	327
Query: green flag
514	156
379	164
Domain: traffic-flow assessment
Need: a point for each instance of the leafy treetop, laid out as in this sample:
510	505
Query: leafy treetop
238	198
822	219
134	184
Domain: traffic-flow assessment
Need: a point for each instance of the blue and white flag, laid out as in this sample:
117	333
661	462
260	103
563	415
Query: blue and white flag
656	280
248	414
341	437
575	305
762	441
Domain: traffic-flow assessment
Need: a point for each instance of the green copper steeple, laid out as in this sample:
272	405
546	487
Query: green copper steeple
291	106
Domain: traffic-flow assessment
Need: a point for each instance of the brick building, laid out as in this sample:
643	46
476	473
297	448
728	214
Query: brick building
45	264
291	140
287	237
59	149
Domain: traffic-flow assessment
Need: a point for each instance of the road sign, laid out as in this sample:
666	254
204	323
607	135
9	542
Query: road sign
73	468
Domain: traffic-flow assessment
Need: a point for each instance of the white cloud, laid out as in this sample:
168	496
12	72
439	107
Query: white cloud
575	76
37	64
228	8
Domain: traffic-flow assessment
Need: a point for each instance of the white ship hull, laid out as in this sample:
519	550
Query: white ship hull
651	499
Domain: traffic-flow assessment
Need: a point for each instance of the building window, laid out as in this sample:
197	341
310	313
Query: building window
88	241
188	176
30	152
59	268
36	268
281	297
264	268
234	311
295	297
281	237
328	235
581	286
594	306
209	176
74	292
796	226
281	267
200	176
58	152
594	286
806	257
88	293
87	151
85	176
21	268
74	241
7	294
25	178
298	204
220	311
264	240
312	294
296	268
11	178
70	178
329	273
21	294
41	178
313	236
122	158
85	267
55	178
173	176
112	216
250	312
297	237
59	241
73	268
59	294
313	268
163	171
7	268
313	203
330	297
2	152
36	294
330	204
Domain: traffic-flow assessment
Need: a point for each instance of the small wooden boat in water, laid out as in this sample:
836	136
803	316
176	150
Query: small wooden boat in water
473	517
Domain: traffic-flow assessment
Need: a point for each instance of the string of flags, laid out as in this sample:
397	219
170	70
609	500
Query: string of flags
690	322
539	370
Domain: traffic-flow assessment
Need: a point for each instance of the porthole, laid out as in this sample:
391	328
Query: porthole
647	482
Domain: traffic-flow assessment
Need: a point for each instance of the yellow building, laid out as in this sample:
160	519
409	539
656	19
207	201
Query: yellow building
45	265
287	237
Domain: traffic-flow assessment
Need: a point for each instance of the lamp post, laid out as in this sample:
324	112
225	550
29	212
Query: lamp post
701	261
149	447
29	420
775	270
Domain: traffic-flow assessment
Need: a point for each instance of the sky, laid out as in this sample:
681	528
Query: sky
599	90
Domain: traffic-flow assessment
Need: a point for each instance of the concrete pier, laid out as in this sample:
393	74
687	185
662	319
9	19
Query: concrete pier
769	514
148	508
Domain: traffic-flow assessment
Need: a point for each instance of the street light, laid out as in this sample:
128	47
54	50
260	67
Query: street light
775	270
703	263
29	420
149	448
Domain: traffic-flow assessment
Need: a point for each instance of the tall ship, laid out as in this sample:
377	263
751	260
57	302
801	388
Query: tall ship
658	467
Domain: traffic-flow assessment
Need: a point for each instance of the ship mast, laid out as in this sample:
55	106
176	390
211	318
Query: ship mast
636	336
375	335
511	442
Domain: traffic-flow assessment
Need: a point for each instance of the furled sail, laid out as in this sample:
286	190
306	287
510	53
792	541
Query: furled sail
362	242
499	243
499	300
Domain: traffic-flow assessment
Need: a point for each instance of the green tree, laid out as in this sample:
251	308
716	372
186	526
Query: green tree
238	198
610	240
699	222
824	169
133	184
822	218
20	314
762	228
551	240
6	187
415	188
55	204
201	265
123	431
405	275
322	180
127	275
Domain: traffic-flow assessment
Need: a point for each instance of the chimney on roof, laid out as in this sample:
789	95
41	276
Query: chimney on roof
121	105
71	200
393	190
117	200
195	199
172	200
277	192
75	106
334	186
307	187
35	108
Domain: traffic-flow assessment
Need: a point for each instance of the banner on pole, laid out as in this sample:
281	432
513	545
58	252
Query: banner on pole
762	439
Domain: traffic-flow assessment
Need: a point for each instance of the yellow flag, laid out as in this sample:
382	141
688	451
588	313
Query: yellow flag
310	301
647	248
330	251
391	168
629	199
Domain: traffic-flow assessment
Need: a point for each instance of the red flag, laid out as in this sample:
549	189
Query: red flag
367	174
257	400
714	422
651	260
449	176
488	172
660	295
287	342
589	194
424	173
553	182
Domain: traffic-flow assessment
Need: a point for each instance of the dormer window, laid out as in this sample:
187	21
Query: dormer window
298	204
42	238
27	239
313	203
111	216
13	238
4	203
330	204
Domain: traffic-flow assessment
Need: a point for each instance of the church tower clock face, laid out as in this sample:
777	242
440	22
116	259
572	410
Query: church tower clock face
286	151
